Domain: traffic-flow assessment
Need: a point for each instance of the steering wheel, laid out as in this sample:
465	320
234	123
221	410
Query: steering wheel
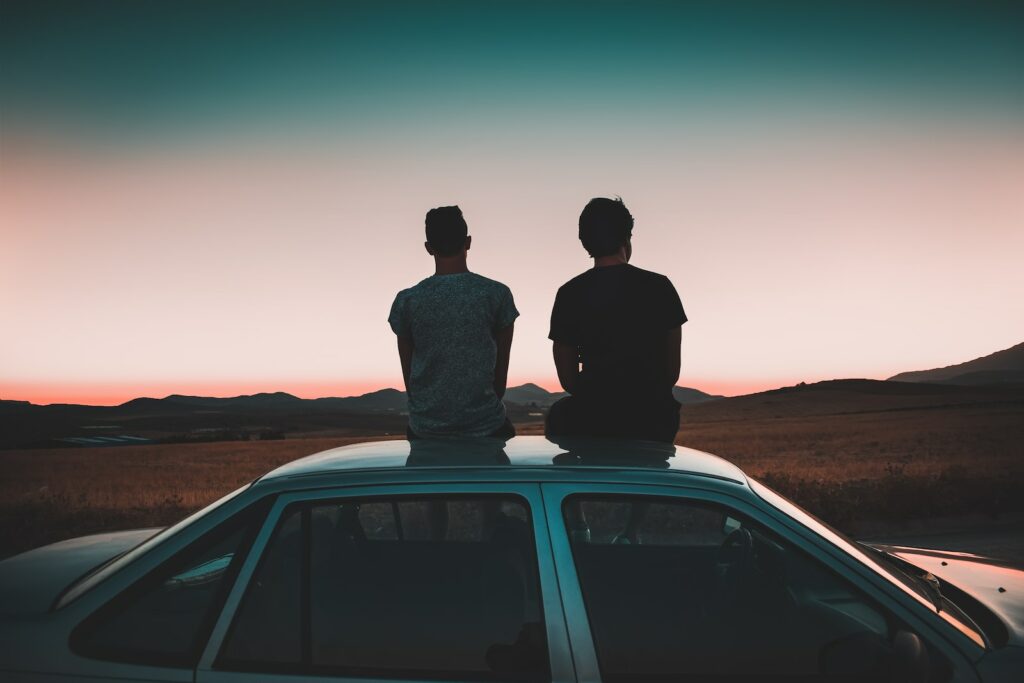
734	562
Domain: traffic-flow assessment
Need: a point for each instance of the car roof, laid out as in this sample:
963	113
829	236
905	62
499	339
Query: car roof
401	457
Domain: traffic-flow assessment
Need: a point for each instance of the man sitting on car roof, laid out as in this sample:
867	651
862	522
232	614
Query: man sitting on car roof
624	325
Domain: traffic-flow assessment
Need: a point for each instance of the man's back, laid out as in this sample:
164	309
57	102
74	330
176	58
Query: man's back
618	317
452	320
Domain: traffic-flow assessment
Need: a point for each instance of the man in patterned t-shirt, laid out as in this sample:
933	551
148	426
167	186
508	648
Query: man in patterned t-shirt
454	338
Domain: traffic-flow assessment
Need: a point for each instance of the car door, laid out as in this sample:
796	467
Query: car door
402	582
674	584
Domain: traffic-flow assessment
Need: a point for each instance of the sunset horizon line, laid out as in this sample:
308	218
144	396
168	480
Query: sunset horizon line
112	396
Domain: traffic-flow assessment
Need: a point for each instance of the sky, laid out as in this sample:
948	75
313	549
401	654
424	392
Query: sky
224	199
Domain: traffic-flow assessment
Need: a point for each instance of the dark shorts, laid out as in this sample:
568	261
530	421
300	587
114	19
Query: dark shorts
505	431
573	416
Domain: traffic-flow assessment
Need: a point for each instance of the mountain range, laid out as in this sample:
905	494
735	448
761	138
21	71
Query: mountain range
1001	367
273	415
380	401
266	415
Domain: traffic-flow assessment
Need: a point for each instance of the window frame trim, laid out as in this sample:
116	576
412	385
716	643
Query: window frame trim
96	617
577	618
559	654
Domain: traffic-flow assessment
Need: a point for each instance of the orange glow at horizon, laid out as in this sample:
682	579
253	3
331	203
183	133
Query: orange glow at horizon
116	393
112	394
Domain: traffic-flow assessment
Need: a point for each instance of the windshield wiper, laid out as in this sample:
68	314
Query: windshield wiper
932	586
929	582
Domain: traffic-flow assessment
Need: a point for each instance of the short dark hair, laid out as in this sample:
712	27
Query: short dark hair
446	230
605	225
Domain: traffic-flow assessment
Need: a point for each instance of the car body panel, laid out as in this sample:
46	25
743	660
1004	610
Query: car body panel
31	581
1004	664
520	452
996	585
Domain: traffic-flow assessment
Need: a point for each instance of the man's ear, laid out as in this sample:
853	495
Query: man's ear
426	245
469	240
627	250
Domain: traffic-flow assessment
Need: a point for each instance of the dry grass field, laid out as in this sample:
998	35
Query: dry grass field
51	494
856	462
856	469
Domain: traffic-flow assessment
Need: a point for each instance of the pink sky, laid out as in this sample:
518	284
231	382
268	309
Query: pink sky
801	251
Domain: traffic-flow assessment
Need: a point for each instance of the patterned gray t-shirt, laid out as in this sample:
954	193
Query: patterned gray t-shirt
452	320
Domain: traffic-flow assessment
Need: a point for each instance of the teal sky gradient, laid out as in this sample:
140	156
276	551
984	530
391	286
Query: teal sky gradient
177	67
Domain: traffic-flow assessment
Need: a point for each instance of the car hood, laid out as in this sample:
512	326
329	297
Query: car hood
31	581
995	584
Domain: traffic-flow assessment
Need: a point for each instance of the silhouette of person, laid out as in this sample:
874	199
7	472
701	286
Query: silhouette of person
454	334
623	324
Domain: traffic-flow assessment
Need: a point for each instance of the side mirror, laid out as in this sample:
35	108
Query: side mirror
866	656
910	660
859	655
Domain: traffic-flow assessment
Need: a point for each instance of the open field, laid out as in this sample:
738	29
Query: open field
51	494
867	463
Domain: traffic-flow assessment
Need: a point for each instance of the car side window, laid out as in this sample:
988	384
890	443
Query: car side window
165	618
268	625
677	589
440	587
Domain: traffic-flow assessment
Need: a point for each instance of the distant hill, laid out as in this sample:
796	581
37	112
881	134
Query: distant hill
382	400
177	417
853	397
1001	367
260	402
531	394
686	395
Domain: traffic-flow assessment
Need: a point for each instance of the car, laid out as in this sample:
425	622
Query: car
529	560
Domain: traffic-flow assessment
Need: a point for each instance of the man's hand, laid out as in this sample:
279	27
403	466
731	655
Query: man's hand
567	363
405	348
503	340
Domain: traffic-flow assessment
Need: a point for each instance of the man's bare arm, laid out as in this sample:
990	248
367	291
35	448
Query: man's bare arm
503	339
567	363
405	348
675	342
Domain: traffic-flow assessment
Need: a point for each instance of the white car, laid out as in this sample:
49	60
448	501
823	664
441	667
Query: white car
481	560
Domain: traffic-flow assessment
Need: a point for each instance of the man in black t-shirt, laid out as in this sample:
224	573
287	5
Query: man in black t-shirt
624	325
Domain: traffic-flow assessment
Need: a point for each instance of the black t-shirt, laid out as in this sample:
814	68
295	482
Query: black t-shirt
618	317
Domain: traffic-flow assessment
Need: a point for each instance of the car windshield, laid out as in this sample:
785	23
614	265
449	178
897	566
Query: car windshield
108	568
873	560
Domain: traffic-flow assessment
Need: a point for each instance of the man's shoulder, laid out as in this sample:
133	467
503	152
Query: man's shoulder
487	283
648	280
420	286
592	276
404	294
577	282
648	275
